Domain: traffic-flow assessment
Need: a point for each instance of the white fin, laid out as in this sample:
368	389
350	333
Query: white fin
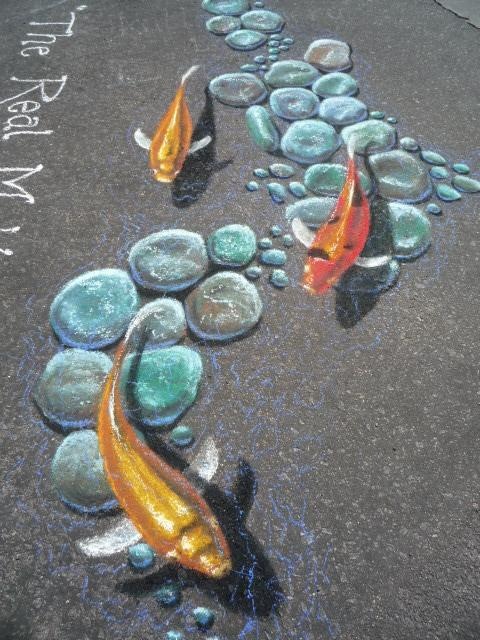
302	233
374	261
142	140
123	533
200	144
351	147
189	73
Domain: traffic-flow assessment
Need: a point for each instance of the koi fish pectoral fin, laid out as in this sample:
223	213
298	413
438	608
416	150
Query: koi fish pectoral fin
142	140
200	144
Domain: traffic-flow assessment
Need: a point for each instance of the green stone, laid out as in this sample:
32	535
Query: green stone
280	170
140	556
238	89
221	25
273	257
253	272
377	115
169	594
411	231
161	384
328	179
291	73
277	192
370	136
408	144
460	167
203	617
469	185
233	245
263	20
297	189
226	7
400	176
261	173
279	278
434	209
447	193
439	173
309	141
245	39
181	436
335	84
163	325
313	212
262	129
433	158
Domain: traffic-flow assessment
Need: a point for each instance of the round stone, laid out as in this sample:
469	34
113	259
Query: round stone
226	7
250	68
279	278
78	474
94	309
287	240
273	257
309	141
288	40
164	325
439	173
460	167
265	243
203	617
252	186
447	193
254	272
335	84
433	158
160	384
328	179
297	189
245	39
277	192
263	20
329	55
372	280
169	594
469	185
400	176
140	556
411	231
223	307
276	230
169	260
69	389
370	136
238	89
291	73
260	59
377	115
262	129
280	170
409	144
181	436
434	209
273	57
261	173
233	245
313	212
342	110
294	103
392	120
221	25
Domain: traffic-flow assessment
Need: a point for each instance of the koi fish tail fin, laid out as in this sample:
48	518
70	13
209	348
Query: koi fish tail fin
189	73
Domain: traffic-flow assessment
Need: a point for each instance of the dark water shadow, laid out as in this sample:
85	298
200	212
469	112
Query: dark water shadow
350	308
252	586
193	179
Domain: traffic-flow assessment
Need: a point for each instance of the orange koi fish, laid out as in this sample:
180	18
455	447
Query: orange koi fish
170	514
340	241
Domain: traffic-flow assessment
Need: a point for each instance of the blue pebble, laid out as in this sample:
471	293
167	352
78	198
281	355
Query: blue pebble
265	243
284	47
140	556
392	120
245	39
181	436
288	40
297	189
252	186
261	173
460	167
439	173
287	240
433	158
281	170
203	617
174	635
377	115
279	278
447	193
250	68
169	594
273	257
259	59
277	192
273	50
434	209
342	110
275	230
254	272
273	58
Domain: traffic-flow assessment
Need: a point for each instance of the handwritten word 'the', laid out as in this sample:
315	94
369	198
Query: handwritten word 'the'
40	43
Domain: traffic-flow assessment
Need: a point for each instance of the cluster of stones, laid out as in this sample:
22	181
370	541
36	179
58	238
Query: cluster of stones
272	257
94	310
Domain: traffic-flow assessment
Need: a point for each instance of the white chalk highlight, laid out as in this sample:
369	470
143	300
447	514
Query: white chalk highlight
142	140
200	144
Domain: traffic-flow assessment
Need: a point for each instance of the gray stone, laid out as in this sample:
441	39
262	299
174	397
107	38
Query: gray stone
370	136
238	89
221	25
313	212
293	103
291	73
342	110
411	231
226	7
400	176
245	39
164	325
263	20
309	141
329	55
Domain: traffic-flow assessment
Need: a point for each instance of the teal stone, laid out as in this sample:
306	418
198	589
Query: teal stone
250	68
263	20
262	129
245	39
297	189
94	309
434	209
204	618
253	273
252	186
273	257
469	185
260	59
313	212
169	594
224	306
68	391
329	55
161	384
447	193
261	173
78	474
284	47
232	246
411	231
277	192
408	144
288	40
294	103
439	173
377	115
400	176
328	179
170	260
371	280
140	556
433	158
276	230
291	73
174	635
264	67
280	170
221	25
265	243
370	136
279	278
259	4
392	120
309	141
273	57
287	240
342	110
163	325
274	51
460	167
181	436
335	84
226	7
238	89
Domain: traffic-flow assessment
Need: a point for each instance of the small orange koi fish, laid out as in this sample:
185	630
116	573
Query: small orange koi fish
171	143
171	515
